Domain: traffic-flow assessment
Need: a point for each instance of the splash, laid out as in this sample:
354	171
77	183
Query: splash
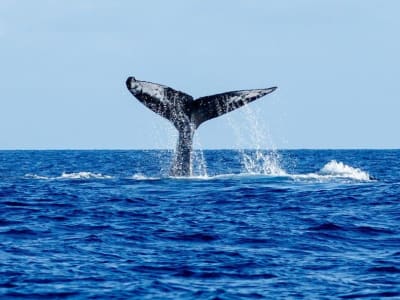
339	169
165	138
252	133
199	162
140	176
262	163
333	171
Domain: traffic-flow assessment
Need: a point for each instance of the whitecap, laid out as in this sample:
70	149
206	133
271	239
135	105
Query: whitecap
64	175
339	169
34	176
335	170
140	176
83	175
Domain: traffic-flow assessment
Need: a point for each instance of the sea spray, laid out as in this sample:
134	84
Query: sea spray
199	163
251	133
339	169
165	138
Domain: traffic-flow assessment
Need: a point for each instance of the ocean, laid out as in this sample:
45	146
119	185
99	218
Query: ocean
249	224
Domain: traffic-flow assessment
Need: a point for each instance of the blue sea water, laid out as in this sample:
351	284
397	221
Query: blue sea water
301	224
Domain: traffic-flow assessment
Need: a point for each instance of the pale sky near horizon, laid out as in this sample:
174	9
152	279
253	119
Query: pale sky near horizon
64	64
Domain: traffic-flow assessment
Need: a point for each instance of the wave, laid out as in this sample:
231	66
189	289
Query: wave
330	171
75	175
84	175
140	176
340	169
34	176
336	170
333	170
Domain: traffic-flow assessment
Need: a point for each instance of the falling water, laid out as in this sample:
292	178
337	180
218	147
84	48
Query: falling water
252	133
165	137
258	154
199	162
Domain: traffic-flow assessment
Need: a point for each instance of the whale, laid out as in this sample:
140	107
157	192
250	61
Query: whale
187	113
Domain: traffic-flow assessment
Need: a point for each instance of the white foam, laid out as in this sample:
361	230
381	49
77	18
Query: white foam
335	170
140	176
262	166
64	175
83	175
227	176
192	177
34	176
268	168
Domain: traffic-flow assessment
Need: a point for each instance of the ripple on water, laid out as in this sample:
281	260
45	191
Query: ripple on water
320	230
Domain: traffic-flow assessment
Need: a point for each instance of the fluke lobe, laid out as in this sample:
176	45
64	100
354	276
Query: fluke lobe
187	113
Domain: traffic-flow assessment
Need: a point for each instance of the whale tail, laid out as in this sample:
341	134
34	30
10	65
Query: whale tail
187	114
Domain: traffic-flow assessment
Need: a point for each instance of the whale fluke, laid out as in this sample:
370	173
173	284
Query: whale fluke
187	114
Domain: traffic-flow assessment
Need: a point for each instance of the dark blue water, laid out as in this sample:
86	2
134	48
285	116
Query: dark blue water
113	225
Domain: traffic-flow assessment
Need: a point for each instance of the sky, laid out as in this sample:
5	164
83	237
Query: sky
63	66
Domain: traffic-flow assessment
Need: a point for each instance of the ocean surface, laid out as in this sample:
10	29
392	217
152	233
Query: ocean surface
300	224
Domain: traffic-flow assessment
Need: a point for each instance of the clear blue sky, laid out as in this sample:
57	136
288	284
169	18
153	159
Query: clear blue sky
63	65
